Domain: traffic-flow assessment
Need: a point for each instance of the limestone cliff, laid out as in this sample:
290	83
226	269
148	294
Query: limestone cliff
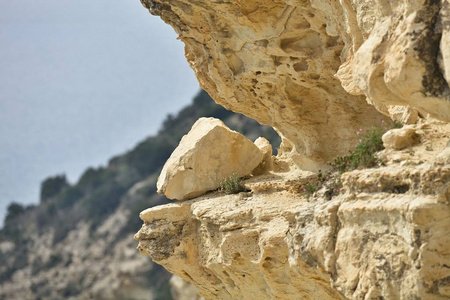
385	236
307	67
319	72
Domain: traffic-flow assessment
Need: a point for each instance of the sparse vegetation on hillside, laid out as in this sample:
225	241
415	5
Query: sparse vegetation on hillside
102	191
364	153
52	186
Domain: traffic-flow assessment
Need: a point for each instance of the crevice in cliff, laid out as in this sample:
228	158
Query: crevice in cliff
428	49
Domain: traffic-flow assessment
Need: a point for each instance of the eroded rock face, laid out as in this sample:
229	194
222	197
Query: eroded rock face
384	236
276	62
400	54
266	149
205	157
444	156
318	71
370	243
400	138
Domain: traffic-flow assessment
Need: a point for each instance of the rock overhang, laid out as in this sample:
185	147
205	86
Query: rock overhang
318	72
310	68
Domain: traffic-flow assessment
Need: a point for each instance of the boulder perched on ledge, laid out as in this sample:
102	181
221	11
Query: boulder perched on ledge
205	157
318	72
384	236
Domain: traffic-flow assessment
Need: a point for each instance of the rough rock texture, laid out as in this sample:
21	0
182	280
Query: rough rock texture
384	236
205	157
444	157
403	114
276	62
395	59
318	71
400	138
266	149
280	246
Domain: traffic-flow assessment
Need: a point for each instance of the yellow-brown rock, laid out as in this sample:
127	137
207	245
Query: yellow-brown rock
373	241
318	71
403	114
444	156
398	54
266	149
205	157
400	138
274	61
384	236
277	61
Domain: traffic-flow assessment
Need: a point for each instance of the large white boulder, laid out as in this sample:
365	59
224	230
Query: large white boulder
205	157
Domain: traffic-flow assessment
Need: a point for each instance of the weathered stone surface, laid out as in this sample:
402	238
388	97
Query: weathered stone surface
394	55
443	157
266	149
384	236
370	242
207	155
318	71
400	138
276	62
403	114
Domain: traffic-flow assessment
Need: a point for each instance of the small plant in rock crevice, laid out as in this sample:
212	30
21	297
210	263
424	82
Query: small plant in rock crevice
363	156
330	182
311	188
232	185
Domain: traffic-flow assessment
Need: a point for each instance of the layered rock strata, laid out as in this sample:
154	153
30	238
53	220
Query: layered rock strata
276	61
280	246
384	236
319	71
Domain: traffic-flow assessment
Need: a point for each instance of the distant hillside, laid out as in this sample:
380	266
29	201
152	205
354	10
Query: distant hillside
78	242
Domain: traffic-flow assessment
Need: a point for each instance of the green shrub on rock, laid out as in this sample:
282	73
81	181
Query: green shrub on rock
232	185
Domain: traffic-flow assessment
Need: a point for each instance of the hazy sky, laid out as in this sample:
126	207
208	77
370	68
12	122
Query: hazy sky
81	81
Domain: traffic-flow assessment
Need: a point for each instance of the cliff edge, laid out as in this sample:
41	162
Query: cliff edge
383	236
319	72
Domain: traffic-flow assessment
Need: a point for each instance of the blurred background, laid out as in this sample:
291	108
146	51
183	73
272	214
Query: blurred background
81	81
94	97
